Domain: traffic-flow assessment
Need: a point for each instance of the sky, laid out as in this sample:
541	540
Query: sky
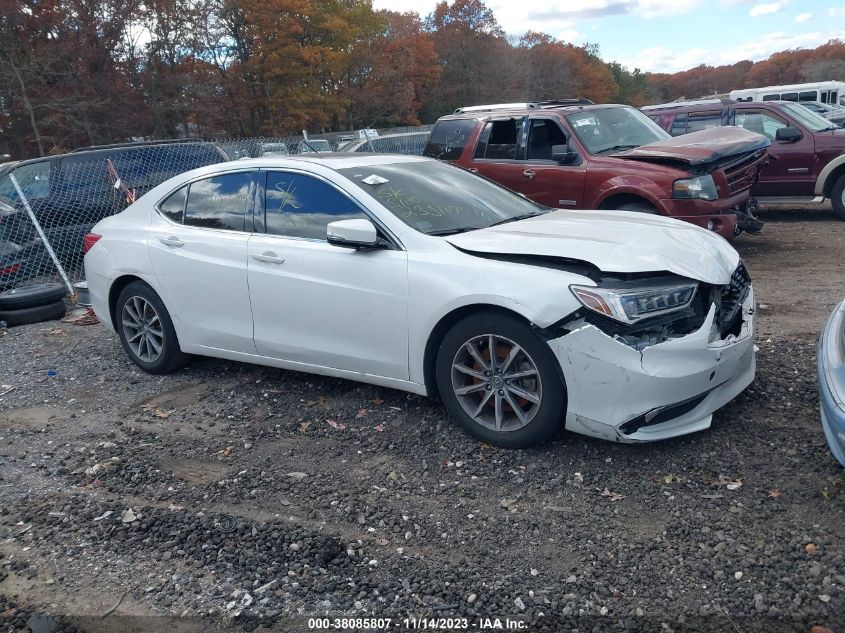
669	35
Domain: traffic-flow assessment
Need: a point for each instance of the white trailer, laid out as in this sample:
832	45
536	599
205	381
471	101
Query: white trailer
832	92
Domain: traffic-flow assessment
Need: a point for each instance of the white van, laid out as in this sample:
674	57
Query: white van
832	92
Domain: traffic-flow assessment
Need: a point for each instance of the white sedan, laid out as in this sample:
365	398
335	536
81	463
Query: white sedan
413	274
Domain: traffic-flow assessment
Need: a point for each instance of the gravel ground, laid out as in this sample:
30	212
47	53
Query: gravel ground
229	496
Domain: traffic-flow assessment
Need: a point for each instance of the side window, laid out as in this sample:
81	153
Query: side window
34	180
544	134
86	177
759	122
449	138
499	140
771	97
703	121
301	206
173	207
807	95
679	125
789	96
219	202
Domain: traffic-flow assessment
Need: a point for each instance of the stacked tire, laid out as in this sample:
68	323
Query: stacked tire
32	304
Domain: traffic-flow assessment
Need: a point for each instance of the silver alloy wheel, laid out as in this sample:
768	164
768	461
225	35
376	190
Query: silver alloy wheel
496	382
142	329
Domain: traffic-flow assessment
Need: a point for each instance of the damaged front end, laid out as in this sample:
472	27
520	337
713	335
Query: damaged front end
651	357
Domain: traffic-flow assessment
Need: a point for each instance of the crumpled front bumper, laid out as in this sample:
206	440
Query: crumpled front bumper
669	389
831	364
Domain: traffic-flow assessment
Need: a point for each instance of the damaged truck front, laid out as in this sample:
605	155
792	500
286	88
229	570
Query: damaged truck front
656	339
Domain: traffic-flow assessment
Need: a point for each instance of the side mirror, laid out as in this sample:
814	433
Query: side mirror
788	134
563	154
359	233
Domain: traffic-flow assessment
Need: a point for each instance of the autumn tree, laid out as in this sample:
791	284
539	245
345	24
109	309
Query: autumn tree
470	46
390	74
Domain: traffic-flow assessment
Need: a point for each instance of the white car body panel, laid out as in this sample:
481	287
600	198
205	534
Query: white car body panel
331	306
369	315
650	243
207	318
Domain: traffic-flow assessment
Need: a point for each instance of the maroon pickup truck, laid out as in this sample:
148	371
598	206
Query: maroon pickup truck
589	156
807	152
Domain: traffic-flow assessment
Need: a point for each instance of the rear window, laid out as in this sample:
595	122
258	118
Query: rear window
449	138
219	202
679	125
703	121
498	140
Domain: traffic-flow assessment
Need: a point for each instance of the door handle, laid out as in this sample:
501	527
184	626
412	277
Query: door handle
171	241
268	257
528	173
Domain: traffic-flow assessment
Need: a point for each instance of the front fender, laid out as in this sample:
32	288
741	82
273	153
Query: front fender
538	294
638	186
826	173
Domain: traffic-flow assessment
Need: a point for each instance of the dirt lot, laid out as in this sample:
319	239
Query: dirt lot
230	496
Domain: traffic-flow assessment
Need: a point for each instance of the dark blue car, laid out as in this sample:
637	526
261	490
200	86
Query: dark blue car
832	381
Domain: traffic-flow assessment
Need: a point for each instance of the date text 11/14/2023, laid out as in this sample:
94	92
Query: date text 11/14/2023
414	624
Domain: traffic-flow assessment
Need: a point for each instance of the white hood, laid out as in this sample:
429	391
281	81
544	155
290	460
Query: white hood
613	241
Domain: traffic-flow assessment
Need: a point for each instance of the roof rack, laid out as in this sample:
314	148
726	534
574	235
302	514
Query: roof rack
166	141
681	104
562	103
496	106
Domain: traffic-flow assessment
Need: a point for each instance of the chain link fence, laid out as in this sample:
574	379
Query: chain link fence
48	205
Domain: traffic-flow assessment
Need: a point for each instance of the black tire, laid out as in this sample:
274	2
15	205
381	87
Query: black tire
546	417
170	357
31	296
49	312
837	197
638	207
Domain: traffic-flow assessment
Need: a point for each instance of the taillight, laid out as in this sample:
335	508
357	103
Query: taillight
89	240
10	270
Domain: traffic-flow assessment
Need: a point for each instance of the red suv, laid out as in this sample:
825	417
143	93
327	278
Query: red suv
589	156
807	151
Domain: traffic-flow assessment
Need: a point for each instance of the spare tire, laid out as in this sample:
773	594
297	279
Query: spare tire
31	296
55	310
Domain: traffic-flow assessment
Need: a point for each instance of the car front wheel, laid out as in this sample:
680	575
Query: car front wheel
500	381
146	330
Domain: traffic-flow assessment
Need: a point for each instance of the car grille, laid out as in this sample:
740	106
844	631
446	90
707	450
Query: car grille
731	298
743	175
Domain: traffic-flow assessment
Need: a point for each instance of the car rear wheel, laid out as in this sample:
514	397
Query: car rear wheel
837	197
146	330
500	381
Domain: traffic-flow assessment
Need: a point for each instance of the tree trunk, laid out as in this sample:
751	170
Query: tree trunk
29	109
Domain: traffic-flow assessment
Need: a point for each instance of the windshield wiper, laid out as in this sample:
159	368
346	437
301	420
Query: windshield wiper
615	148
454	230
515	218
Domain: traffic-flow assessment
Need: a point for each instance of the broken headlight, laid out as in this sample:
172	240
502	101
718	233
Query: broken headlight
630	305
698	188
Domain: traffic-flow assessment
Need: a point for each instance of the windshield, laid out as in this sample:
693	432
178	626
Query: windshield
810	120
34	180
606	130
437	198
